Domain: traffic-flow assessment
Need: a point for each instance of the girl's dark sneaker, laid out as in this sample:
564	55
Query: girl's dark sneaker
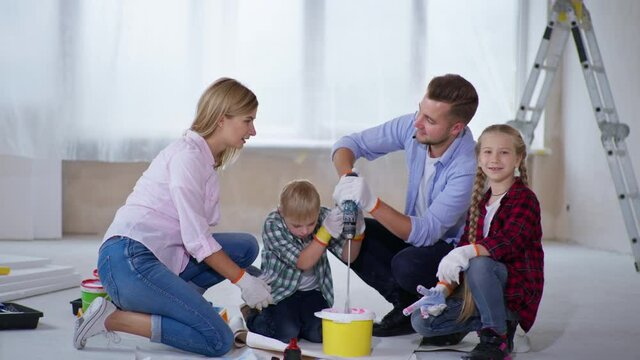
492	347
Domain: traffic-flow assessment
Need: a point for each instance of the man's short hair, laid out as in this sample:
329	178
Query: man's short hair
455	90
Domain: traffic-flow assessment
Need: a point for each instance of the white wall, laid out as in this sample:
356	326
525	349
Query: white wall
93	191
30	198
594	217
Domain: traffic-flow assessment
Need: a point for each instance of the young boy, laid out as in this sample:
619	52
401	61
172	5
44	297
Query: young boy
295	263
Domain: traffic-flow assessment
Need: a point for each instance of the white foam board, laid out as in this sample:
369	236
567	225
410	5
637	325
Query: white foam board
55	286
35	283
21	275
16	262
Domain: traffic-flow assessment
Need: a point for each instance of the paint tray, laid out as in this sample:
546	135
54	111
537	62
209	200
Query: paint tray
16	316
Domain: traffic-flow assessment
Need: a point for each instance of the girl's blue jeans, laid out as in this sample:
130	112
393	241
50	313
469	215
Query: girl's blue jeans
486	279
180	316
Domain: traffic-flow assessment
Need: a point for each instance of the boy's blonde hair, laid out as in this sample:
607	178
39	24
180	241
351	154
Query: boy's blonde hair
479	188
299	201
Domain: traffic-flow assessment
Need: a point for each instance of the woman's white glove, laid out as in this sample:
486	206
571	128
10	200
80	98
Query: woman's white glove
356	189
454	262
255	292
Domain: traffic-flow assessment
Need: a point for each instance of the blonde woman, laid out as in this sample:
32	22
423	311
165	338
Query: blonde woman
158	257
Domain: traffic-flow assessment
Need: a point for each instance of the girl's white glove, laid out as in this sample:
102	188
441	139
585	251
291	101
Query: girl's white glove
454	262
432	303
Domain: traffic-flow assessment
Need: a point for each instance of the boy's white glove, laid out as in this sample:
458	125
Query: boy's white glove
255	292
454	262
331	226
356	189
334	222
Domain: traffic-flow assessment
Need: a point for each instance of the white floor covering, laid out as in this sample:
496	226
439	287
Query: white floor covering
590	309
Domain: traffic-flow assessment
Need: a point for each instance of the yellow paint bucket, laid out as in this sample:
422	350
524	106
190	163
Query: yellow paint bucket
346	334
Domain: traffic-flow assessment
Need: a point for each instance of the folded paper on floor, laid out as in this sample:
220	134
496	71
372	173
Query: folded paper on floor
243	337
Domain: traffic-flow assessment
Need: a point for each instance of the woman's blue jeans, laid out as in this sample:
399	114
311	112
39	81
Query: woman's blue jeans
180	316
486	279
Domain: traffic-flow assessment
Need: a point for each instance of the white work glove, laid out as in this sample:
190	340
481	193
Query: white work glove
454	262
334	222
432	303
255	292
331	226
356	189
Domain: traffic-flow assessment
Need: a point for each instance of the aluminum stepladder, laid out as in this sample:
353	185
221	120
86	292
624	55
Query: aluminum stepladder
571	16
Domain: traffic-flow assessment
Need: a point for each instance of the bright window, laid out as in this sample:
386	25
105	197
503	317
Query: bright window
116	81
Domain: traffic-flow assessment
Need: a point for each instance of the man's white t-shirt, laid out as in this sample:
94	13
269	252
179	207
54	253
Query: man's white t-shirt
423	193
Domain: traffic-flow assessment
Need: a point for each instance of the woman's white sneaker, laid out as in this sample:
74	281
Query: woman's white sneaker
92	322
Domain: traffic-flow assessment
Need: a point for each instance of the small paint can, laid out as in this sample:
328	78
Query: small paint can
346	334
90	290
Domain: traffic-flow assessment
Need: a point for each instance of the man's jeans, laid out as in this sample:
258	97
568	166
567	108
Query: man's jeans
395	268
486	279
292	317
180	317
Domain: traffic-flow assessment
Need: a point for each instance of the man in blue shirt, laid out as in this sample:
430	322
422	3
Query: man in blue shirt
402	250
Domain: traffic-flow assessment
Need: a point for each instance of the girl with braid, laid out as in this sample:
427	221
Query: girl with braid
500	256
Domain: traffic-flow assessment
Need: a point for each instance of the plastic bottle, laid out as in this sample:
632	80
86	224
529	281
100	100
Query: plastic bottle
292	352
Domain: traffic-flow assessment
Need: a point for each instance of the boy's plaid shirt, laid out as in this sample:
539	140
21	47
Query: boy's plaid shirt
280	255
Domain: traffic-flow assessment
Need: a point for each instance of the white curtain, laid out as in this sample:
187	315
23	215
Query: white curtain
116	80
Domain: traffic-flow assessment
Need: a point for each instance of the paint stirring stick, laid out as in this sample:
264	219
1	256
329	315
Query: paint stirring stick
347	306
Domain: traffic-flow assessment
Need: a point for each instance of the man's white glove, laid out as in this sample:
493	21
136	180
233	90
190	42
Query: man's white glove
454	262
356	189
255	292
